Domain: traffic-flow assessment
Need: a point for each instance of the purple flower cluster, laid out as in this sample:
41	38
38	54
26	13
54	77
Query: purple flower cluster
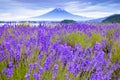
43	52
9	70
55	71
27	76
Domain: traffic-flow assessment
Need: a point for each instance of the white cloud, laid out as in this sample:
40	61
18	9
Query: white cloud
22	14
75	6
31	13
89	10
95	14
5	14
13	10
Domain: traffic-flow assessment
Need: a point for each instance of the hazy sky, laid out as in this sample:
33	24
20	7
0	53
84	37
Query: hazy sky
17	9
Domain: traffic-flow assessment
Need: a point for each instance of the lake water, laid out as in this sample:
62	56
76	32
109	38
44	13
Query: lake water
46	24
32	24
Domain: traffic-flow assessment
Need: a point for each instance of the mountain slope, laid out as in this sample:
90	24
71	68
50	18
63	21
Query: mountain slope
98	20
60	14
112	19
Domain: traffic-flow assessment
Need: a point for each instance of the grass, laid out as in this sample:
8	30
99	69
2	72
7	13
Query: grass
73	38
79	37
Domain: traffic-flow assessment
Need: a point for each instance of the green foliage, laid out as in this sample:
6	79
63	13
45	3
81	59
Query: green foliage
55	38
68	21
112	46
115	56
109	38
2	65
79	38
96	37
116	74
19	72
61	73
76	38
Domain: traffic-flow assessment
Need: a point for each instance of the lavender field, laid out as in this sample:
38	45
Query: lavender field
60	52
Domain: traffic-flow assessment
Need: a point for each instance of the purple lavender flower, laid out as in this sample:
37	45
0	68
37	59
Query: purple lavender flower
30	67
7	45
97	46
4	71
70	67
67	76
40	73
100	57
86	65
46	66
8	72
36	75
2	55
28	53
18	47
55	71
35	65
27	76
75	69
41	70
47	63
10	64
39	57
17	56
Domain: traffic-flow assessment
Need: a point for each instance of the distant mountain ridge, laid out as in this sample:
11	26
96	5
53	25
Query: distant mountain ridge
112	19
115	18
98	20
60	14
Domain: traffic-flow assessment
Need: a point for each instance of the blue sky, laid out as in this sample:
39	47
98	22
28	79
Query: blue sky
22	9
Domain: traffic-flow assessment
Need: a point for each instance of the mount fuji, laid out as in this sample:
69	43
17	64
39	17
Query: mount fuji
59	14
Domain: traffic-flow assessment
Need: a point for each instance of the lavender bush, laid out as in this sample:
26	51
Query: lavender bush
61	52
